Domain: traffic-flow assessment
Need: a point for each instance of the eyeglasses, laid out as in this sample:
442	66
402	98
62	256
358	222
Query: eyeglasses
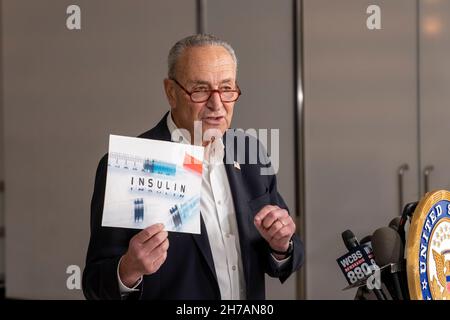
204	95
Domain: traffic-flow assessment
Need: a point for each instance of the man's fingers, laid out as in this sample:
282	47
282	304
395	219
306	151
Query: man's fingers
288	228
149	232
273	216
285	232
160	250
268	233
153	262
153	259
159	261
286	220
148	250
155	241
264	212
276	227
259	227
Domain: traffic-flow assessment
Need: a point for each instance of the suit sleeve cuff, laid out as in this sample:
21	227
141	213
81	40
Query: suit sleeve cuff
123	288
280	263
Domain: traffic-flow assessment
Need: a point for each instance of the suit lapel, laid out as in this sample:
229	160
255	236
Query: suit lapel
202	242
240	200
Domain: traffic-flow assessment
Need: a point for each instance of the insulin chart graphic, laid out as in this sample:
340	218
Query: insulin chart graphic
142	191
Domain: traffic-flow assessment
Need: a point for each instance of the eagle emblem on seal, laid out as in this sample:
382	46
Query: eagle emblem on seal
440	285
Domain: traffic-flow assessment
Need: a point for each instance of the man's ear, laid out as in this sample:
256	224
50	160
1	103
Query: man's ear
169	88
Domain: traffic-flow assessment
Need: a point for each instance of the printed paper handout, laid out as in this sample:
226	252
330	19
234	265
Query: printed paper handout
153	181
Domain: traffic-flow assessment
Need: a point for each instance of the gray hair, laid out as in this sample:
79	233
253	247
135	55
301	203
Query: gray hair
198	40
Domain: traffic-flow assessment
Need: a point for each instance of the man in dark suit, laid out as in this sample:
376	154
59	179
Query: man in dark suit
246	229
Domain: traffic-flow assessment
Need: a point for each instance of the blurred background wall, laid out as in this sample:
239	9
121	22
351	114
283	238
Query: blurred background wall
353	106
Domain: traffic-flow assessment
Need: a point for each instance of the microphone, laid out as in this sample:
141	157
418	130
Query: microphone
356	265
366	241
408	211
350	240
388	250
395	223
363	292
398	224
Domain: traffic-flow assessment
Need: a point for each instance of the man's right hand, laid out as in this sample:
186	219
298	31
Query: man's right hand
146	253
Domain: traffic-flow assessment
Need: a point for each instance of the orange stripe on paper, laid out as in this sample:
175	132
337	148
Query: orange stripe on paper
192	163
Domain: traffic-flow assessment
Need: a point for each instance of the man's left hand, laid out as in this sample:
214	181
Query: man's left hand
276	226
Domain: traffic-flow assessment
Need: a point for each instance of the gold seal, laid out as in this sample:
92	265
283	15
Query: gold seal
428	248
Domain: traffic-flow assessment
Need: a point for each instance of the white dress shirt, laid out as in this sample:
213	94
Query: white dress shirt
218	213
219	216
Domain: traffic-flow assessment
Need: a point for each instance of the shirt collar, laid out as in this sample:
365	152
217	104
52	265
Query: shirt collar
214	151
172	127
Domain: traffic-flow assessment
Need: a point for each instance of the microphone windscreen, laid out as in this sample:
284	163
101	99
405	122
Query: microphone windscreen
395	223
365	240
349	239
387	246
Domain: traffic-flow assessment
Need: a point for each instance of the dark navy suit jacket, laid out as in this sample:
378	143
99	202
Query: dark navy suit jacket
188	272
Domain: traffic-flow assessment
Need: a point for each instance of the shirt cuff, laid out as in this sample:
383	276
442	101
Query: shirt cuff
282	262
123	288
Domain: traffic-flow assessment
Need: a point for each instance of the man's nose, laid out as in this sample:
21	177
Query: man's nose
214	101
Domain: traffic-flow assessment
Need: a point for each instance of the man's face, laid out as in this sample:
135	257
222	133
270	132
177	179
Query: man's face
202	68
